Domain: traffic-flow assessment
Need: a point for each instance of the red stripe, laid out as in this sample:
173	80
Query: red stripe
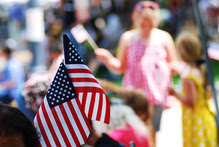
75	115
69	125
62	131
107	116
83	114
91	108
100	107
43	133
79	71
88	89
84	79
84	99
50	125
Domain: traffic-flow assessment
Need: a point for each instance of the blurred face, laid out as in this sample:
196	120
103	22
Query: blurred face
3	54
145	25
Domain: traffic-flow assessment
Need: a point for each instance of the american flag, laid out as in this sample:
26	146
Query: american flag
60	120
79	33
93	99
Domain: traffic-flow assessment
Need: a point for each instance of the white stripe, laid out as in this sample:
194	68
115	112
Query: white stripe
65	127
103	109
46	128
80	97
86	84
87	105
81	118
42	142
76	66
81	75
55	127
97	98
73	123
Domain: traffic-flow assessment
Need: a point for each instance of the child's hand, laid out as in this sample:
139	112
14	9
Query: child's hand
171	91
102	54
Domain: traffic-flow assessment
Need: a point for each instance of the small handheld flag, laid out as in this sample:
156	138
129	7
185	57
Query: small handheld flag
60	120
81	35
93	99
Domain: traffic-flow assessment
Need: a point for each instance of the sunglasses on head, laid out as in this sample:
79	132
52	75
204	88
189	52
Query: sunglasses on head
152	6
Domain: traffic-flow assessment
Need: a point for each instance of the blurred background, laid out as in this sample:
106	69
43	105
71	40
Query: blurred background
30	27
33	30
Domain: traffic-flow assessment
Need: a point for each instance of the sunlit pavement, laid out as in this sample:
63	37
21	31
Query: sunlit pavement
170	134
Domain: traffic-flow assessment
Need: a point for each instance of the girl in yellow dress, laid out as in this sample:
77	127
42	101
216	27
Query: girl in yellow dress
199	124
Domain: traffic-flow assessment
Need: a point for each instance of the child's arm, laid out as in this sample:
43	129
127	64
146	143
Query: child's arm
115	64
189	99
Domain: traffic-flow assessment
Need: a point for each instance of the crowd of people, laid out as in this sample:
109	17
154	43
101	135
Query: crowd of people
147	58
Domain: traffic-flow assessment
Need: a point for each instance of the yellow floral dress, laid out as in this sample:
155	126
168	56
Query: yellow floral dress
199	124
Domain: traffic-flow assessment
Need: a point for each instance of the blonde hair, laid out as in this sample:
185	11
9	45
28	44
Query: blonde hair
152	13
189	46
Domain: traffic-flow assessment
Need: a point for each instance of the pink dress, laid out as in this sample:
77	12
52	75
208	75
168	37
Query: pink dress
128	134
147	68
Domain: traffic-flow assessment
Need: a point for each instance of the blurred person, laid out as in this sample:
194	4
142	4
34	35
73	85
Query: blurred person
12	77
15	128
143	55
101	140
135	98
33	93
125	126
55	56
198	122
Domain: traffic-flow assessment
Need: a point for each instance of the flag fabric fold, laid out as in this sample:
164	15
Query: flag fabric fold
93	99
61	120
